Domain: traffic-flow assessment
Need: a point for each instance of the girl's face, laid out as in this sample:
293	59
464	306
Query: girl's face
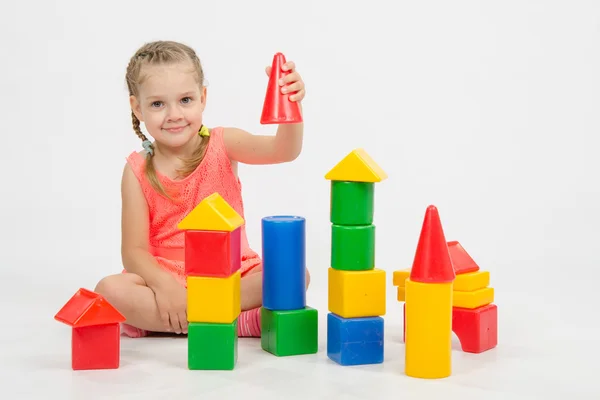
170	104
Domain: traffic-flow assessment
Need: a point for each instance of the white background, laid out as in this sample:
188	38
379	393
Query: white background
489	110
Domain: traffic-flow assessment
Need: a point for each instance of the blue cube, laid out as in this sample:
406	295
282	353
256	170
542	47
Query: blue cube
355	341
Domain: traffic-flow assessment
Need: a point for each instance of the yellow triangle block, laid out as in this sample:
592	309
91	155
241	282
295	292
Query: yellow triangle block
357	166
212	214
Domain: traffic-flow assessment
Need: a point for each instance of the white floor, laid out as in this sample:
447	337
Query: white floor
547	347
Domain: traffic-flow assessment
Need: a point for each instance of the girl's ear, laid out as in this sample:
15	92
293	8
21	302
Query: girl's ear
203	98
135	107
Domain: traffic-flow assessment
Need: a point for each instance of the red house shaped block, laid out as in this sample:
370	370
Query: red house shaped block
95	324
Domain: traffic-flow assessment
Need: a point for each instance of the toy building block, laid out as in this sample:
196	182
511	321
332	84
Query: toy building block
355	341
353	247
278	108
284	262
212	253
212	214
428	304
95	323
216	300
352	203
355	294
357	166
289	332
212	346
476	329
461	260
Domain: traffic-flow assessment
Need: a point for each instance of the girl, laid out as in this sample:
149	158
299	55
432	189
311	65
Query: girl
164	182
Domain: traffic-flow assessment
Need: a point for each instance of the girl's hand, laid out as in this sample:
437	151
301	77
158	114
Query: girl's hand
171	299
292	82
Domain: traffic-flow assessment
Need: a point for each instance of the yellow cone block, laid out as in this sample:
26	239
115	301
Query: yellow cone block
355	294
215	300
428	330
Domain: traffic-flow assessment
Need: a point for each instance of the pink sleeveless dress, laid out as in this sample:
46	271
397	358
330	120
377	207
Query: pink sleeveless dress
166	241
214	174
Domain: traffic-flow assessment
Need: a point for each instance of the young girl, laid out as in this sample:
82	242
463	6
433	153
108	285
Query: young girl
164	182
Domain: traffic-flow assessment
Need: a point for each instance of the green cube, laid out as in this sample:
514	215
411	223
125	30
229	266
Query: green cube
289	332
351	203
212	346
353	247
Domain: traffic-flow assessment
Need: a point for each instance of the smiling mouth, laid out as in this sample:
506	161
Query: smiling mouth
175	129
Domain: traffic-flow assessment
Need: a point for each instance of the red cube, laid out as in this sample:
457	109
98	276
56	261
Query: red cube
212	253
96	347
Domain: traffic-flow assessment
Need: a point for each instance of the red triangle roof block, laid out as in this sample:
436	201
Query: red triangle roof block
461	260
278	108
432	262
87	308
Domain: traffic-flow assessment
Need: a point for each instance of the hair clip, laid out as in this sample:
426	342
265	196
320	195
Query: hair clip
147	145
204	131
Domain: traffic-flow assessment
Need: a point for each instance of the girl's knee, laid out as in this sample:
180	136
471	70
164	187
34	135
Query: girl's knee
113	287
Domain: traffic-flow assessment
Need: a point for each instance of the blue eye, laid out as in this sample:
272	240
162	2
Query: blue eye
156	104
189	99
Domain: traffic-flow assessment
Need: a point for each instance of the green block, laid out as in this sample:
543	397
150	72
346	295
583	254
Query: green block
353	247
289	332
351	203
212	346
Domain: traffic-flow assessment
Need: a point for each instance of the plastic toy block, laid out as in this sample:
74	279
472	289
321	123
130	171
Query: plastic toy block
278	108
95	323
212	253
290	332
476	329
284	262
212	214
461	260
474	299
355	341
470	281
87	308
215	300
212	346
400	277
428	334
401	293
357	293
432	262
96	347
351	203
357	166
353	247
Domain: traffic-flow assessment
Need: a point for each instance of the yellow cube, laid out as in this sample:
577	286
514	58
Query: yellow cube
213	299
355	294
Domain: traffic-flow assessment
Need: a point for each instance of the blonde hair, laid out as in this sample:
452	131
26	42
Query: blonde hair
158	53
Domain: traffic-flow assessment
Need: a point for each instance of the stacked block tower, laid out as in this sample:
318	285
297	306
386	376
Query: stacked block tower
356	289
474	315
288	326
212	267
428	304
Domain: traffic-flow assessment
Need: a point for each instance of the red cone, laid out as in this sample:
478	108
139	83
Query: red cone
432	263
278	109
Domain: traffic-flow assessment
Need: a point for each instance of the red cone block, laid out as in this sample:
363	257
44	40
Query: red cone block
278	109
432	263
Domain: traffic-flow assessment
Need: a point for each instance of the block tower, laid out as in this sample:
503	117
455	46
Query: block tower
356	289
288	326
428	304
212	267
474	316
